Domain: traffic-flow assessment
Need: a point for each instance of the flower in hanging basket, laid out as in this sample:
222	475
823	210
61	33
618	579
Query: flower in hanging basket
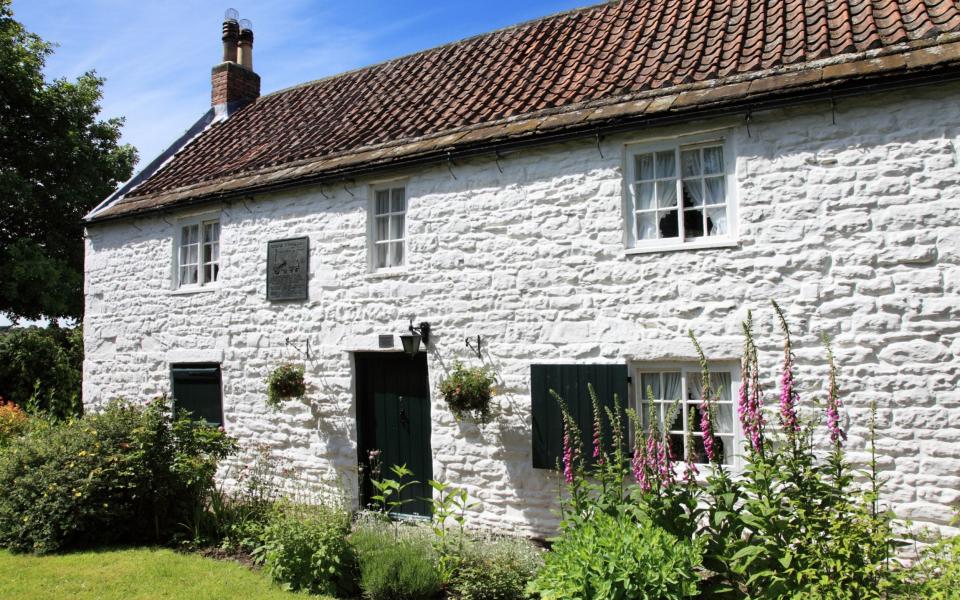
285	383
467	391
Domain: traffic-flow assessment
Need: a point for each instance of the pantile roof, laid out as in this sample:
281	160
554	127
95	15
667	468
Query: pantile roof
617	58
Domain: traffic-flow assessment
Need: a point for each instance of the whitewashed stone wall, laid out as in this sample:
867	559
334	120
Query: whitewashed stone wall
854	227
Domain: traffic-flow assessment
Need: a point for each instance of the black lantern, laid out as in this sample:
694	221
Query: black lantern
411	341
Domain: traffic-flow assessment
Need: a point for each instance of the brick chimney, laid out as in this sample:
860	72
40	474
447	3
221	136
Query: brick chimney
234	82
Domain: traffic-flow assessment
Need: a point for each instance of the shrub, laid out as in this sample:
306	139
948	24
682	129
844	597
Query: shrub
305	548
128	474
467	391
285	383
496	569
41	369
936	575
397	565
13	422
617	556
794	524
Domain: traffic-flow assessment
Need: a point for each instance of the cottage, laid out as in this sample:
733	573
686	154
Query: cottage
561	200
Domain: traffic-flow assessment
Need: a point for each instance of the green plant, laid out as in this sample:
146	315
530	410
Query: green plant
618	556
936	576
496	568
40	370
130	473
285	383
395	566
449	503
13	422
390	491
467	391
305	548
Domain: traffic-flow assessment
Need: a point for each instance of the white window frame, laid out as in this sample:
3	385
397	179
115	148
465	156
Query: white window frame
677	144
200	222
685	368
372	241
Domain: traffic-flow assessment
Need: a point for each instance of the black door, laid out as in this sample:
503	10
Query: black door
393	417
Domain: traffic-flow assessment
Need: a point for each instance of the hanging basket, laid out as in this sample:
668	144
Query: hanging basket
468	392
285	383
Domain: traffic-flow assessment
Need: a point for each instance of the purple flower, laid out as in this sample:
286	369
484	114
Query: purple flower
749	407
706	428
567	456
788	395
837	435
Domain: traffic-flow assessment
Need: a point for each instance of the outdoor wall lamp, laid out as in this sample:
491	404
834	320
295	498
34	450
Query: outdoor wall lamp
411	341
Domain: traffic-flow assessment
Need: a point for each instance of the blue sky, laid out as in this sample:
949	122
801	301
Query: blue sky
157	55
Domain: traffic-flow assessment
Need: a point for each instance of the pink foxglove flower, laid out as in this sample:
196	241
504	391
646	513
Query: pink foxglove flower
788	395
567	456
837	435
706	428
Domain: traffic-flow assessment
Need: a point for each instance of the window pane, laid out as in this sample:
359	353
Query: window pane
183	255
672	386
724	417
666	194
674	412
383	202
721	384
644	166
713	160
396	227
650	383
396	250
669	224
676	446
207	273
399	203
693	192
666	164
717	221
380	255
382	228
192	253
647	228
693	385
216	252
644	196
211	232
716	192
691	162
207	253
725	447
693	223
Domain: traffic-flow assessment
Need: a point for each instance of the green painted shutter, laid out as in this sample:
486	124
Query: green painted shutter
196	388
570	382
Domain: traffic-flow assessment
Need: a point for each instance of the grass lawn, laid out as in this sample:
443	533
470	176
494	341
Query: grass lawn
130	574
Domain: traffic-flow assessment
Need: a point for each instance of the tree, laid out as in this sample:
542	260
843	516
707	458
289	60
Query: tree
57	161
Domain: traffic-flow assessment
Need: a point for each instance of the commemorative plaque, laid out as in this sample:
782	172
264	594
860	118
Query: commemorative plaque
288	269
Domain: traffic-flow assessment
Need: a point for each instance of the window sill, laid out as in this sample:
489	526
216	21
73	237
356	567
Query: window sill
387	273
189	291
700	245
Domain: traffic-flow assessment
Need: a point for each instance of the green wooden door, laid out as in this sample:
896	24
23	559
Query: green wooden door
393	412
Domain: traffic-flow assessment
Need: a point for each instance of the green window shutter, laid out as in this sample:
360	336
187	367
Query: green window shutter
570	382
196	388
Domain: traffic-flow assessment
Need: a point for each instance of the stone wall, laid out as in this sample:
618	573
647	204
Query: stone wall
854	226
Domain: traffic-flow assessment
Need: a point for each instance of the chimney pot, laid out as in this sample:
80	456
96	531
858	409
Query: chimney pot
245	45
234	82
231	36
